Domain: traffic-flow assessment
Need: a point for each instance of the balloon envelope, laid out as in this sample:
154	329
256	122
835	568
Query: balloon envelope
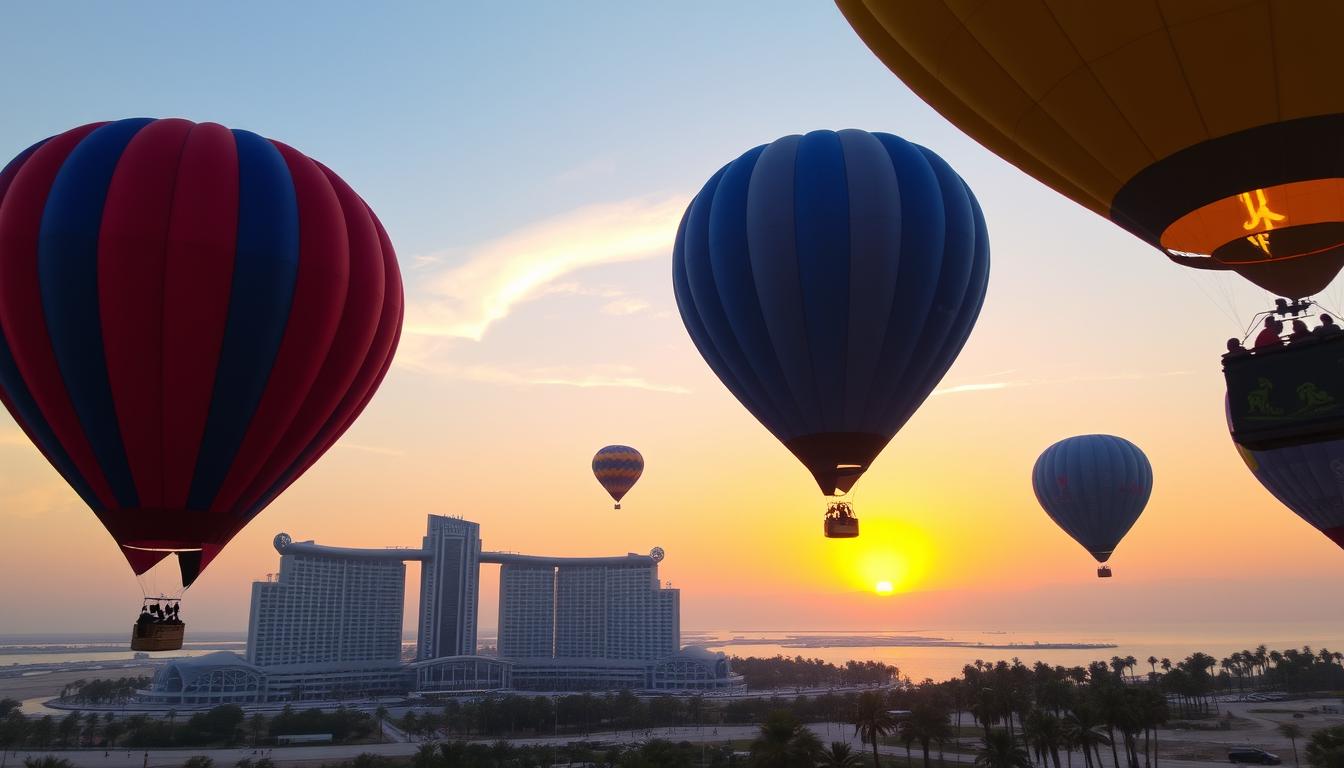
1213	131
189	317
830	280
1308	479
617	468
1094	487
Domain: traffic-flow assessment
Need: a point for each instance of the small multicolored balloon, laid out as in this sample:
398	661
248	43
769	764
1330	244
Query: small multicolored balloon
617	468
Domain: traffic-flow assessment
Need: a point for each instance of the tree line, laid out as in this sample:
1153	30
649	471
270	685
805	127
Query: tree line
223	726
798	672
99	691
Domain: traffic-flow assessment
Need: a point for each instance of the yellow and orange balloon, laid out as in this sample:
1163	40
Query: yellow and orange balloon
1214	131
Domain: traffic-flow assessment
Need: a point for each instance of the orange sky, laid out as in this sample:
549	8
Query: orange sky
541	326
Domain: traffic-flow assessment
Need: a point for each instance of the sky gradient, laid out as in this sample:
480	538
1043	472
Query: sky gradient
530	162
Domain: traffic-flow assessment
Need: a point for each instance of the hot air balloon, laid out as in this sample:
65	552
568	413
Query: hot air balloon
1094	487
190	316
1212	131
1283	412
617	468
830	280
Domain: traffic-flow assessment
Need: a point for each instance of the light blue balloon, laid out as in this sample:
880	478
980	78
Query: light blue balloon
1094	487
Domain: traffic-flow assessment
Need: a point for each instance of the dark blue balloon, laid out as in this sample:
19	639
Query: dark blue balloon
830	280
1308	479
1094	487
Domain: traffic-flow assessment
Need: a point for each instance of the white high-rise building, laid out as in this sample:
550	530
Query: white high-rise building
449	588
603	608
328	605
526	611
330	626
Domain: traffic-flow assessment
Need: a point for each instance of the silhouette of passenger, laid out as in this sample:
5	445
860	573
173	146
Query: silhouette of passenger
1234	348
1327	326
1269	335
1300	332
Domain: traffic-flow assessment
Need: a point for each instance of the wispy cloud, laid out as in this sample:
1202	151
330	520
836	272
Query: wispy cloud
976	387
987	386
628	305
427	356
494	277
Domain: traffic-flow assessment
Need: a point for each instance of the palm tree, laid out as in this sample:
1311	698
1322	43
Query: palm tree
1261	658
1044	733
257	723
840	755
1082	727
1292	731
872	721
1000	750
1152	662
783	742
926	724
380	714
1166	664
1326	747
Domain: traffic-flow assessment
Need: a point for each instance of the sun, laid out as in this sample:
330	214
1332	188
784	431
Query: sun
884	588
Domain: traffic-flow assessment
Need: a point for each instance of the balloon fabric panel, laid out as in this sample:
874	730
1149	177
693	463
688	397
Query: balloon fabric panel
178	332
831	284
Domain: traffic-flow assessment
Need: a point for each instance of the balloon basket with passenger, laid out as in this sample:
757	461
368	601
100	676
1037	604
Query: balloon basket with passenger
1284	414
841	522
158	628
1104	572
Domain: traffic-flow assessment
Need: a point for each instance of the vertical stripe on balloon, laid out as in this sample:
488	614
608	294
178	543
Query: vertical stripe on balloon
771	224
320	291
21	307
67	262
132	248
350	347
822	247
875	261
265	267
727	249
197	285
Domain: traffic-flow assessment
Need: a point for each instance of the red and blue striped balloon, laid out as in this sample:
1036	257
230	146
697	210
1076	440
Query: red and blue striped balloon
617	468
190	316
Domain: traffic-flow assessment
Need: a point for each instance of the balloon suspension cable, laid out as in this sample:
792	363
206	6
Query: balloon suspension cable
1285	309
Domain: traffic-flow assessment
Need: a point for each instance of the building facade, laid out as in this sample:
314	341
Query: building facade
526	611
328	605
329	626
449	588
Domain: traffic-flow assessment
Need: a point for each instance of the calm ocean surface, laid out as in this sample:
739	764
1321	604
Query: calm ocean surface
919	652
941	659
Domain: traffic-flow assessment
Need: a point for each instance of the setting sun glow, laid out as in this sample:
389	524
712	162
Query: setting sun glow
884	588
